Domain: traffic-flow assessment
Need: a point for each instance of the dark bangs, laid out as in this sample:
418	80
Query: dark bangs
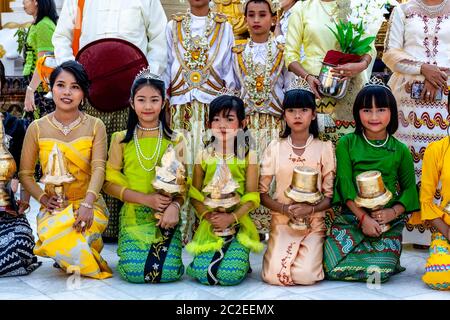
226	104
299	99
383	98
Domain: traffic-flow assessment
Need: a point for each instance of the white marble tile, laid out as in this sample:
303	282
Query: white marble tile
61	283
150	290
357	291
197	294
319	286
14	288
39	297
402	287
432	295
101	293
249	289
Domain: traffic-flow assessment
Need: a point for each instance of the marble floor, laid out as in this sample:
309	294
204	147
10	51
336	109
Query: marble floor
48	283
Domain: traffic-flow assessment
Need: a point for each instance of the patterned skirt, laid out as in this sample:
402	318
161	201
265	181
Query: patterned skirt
73	251
263	128
349	255
16	247
148	254
437	269
190	120
227	267
114	121
420	124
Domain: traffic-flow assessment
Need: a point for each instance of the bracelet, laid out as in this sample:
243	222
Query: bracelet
203	213
86	205
176	204
306	77
30	89
361	221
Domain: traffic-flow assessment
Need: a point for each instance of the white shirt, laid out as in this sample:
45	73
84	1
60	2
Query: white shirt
222	64
281	79
141	22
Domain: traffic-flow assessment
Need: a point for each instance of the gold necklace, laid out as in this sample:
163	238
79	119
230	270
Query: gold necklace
66	129
330	15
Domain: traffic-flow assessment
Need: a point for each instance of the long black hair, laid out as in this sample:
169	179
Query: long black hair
383	98
299	99
133	119
2	77
79	73
226	104
46	8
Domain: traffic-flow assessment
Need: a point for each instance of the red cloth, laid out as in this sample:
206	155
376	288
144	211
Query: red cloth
338	58
112	65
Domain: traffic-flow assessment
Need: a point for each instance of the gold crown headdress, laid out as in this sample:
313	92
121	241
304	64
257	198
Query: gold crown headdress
228	92
147	74
376	82
274	5
299	83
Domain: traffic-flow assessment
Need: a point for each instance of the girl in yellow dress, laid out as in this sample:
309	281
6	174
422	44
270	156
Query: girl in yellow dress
435	169
72	234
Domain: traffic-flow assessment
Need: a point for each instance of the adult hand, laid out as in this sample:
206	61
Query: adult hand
84	219
51	203
170	218
23	207
429	92
370	227
29	105
158	202
314	84
349	70
437	76
221	220
384	216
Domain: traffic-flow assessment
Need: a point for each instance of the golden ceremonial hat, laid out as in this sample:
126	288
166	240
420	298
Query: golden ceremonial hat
303	187
372	193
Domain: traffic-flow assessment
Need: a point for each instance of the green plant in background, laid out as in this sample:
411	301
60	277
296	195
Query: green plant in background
350	38
21	35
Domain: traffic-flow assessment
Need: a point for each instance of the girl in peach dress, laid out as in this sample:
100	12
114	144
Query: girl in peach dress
295	256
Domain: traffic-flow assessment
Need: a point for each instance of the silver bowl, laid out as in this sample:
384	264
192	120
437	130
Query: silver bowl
331	85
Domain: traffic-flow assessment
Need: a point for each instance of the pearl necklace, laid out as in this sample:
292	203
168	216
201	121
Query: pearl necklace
140	154
66	129
148	129
432	10
308	142
375	145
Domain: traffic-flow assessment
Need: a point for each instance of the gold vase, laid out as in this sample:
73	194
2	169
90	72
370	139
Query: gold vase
372	193
303	189
7	169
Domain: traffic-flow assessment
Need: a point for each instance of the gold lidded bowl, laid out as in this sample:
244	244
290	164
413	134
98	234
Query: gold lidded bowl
7	168
372	193
303	188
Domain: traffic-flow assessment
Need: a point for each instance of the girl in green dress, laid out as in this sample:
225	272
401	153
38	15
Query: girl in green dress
149	249
356	248
224	260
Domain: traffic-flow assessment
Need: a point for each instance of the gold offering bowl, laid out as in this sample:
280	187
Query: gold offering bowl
303	189
223	203
7	169
372	193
